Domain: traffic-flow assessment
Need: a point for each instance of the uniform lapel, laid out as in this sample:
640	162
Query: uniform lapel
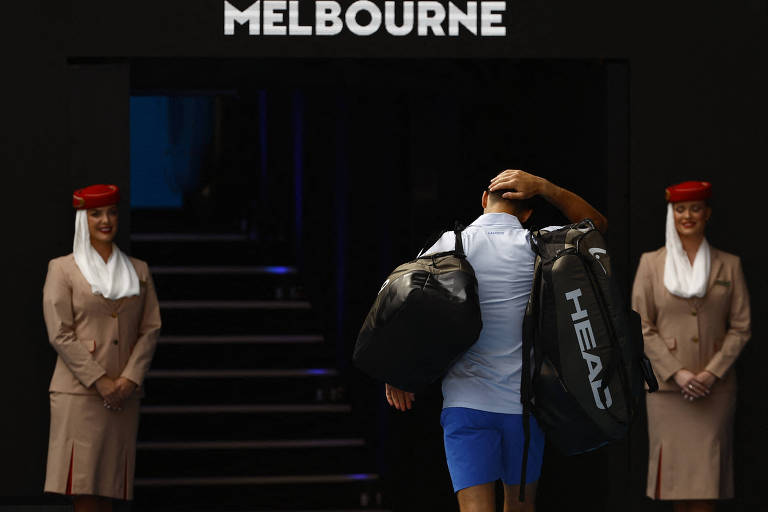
715	264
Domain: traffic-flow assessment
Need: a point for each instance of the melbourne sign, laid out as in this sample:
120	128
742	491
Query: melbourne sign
365	18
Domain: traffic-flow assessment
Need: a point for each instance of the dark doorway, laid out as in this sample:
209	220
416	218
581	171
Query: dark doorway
335	171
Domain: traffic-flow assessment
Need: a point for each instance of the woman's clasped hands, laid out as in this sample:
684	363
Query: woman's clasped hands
694	386
115	391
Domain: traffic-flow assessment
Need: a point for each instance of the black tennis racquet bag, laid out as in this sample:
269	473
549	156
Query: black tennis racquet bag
588	360
425	316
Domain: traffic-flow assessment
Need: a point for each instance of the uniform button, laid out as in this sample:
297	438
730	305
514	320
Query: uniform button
695	339
693	313
114	342
114	315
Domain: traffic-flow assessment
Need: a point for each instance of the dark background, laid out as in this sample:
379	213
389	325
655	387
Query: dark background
624	100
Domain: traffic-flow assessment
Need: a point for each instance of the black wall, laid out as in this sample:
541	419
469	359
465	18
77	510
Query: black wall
697	110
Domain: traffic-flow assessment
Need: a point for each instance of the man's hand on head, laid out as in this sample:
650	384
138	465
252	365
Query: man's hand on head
523	185
520	184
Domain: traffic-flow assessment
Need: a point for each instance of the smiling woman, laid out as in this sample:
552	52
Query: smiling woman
694	306
103	320
690	218
102	228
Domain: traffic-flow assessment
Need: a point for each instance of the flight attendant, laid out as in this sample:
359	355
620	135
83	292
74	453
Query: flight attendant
103	320
694	306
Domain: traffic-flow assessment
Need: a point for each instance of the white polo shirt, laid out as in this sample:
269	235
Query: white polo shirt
487	376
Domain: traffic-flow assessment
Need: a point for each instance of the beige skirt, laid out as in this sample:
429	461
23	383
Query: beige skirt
690	446
91	449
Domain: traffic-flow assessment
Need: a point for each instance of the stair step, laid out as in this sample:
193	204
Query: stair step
239	270
242	283
243	408
256	463
254	480
189	237
180	425
204	249
250	386
246	356
236	318
235	304
245	373
249	445
243	353
253	338
195	508
330	492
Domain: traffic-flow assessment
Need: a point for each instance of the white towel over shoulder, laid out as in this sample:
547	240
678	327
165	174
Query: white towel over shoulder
114	279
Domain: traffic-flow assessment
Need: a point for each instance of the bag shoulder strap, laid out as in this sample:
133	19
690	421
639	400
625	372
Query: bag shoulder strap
533	237
530	329
437	235
459	249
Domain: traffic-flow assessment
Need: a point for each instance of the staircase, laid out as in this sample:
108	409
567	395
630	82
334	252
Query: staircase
244	409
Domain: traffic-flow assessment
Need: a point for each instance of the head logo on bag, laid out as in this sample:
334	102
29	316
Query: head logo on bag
383	285
586	339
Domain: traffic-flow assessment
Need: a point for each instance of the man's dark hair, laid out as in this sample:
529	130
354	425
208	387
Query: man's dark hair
519	205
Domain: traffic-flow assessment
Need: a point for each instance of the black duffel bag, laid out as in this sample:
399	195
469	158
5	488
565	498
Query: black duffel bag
426	315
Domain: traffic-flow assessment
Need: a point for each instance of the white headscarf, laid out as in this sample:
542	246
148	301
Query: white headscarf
114	279
680	277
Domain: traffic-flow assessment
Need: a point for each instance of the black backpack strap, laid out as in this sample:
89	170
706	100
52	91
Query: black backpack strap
459	250
526	392
526	445
437	235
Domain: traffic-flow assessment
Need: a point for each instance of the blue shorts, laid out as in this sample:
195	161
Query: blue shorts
481	447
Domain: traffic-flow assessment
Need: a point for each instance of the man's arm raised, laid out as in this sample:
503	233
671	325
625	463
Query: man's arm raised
524	185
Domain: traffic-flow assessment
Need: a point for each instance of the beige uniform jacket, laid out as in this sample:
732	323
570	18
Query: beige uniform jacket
699	333
95	336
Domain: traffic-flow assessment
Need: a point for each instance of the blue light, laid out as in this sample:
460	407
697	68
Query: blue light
278	270
317	371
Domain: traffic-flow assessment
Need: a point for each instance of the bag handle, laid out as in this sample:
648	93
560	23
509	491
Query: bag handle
530	329
459	250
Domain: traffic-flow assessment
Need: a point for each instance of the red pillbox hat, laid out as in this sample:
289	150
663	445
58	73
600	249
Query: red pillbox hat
95	196
689	191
